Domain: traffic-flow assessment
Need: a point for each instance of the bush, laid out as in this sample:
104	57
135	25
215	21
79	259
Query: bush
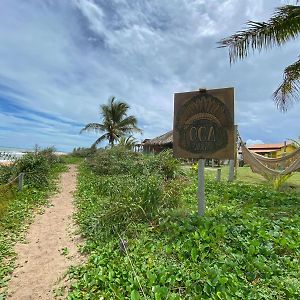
117	202
37	167
126	188
83	152
51	157
116	161
165	164
6	173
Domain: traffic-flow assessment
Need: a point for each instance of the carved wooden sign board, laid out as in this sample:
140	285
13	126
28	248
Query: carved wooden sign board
204	124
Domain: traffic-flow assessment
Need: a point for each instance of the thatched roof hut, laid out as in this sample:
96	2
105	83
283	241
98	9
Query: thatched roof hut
159	143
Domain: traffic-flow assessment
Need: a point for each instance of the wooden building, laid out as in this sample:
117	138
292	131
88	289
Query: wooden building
159	143
272	150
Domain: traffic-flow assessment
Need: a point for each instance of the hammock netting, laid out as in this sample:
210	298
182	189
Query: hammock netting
271	167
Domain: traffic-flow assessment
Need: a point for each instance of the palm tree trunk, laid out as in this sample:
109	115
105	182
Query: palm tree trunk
111	141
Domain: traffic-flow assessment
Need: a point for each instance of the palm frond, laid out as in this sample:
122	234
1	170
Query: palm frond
93	127
289	90
284	25
115	122
127	142
100	139
296	143
129	124
130	120
119	111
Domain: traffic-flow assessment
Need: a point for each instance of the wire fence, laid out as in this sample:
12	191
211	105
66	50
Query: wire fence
18	179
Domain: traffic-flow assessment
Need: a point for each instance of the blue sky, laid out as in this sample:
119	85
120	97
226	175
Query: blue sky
61	59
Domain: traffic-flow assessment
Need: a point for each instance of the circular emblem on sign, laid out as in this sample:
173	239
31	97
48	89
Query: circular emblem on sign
202	124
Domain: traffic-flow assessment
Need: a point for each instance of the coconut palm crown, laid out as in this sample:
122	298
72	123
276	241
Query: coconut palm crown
115	122
283	26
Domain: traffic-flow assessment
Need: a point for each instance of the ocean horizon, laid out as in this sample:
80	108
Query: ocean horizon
7	153
15	149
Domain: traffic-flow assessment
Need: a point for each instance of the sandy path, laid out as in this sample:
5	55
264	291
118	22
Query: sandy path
49	248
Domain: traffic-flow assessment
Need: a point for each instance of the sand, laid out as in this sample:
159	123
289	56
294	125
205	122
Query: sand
6	162
50	248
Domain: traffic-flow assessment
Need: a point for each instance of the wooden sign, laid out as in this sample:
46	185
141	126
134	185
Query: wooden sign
204	124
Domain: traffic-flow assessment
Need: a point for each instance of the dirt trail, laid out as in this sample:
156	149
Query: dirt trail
50	248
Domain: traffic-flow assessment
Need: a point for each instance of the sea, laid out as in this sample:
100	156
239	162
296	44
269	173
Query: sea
11	153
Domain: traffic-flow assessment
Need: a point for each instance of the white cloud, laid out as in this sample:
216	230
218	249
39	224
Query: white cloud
66	58
93	13
254	142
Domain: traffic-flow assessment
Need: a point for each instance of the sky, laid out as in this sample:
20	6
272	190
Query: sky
61	59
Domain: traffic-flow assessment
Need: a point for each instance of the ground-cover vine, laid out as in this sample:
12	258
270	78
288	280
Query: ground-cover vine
246	246
17	207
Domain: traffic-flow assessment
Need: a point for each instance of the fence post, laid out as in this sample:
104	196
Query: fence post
201	187
218	175
236	162
20	181
231	170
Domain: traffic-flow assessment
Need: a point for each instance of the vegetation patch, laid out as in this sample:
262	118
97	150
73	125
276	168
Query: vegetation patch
145	241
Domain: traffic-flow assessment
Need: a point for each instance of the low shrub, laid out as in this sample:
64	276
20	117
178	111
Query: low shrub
83	152
121	161
113	203
6	172
36	165
116	161
164	163
51	157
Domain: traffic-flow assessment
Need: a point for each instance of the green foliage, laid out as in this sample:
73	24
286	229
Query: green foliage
83	152
246	246
279	181
119	160
127	142
164	164
283	26
115	122
6	195
116	160
37	167
6	172
114	203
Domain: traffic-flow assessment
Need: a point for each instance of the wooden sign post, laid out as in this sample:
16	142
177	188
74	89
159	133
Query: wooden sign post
204	128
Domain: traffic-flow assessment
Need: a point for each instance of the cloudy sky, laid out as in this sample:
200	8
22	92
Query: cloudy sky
61	59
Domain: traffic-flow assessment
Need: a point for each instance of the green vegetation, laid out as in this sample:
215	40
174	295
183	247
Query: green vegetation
145	241
245	175
16	207
282	27
115	122
127	142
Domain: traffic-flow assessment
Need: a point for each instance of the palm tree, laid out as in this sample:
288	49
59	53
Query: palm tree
115	122
283	26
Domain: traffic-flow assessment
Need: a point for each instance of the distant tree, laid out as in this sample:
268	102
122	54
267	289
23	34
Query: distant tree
283	26
115	122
